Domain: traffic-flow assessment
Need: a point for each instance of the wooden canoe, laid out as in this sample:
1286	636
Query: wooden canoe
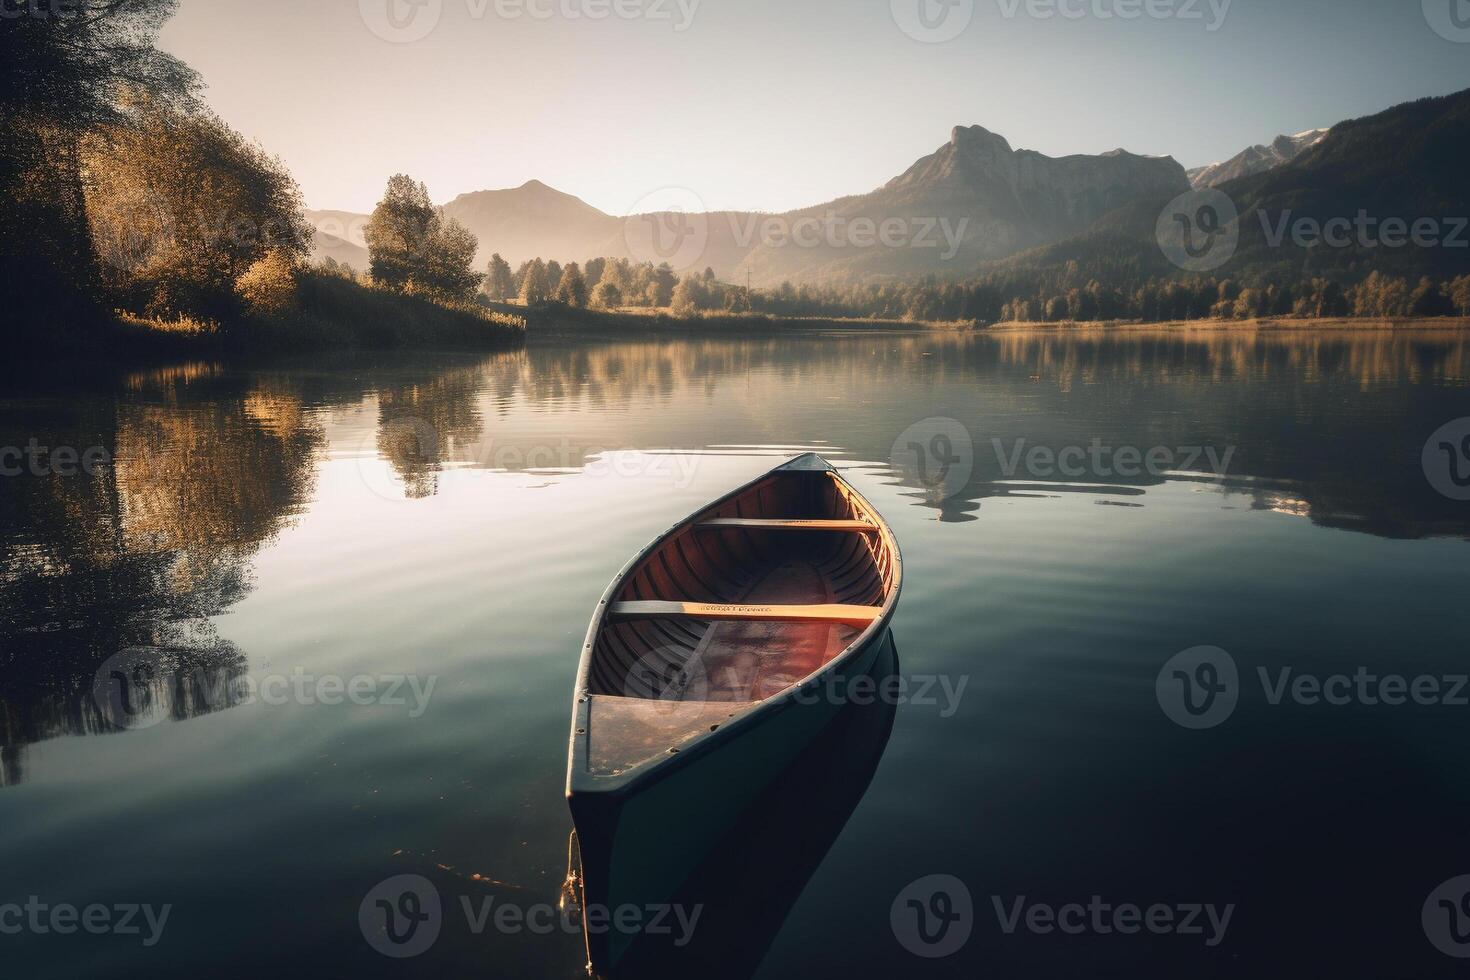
709	665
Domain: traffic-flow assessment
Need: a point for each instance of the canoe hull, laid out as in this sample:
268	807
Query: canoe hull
639	848
711	662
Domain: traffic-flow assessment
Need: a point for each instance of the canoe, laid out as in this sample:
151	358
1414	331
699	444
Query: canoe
775	849
713	659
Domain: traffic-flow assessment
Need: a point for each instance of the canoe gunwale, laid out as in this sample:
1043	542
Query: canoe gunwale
584	784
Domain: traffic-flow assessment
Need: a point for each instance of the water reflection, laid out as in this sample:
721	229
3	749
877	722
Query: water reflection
208	465
754	876
1324	424
138	553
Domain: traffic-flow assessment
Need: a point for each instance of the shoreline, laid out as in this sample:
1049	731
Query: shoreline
565	323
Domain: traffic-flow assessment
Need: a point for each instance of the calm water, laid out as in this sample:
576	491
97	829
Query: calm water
451	521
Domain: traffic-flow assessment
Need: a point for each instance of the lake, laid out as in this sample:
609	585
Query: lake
349	594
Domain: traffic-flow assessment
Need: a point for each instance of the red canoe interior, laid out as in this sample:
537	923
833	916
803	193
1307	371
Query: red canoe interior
796	539
737	605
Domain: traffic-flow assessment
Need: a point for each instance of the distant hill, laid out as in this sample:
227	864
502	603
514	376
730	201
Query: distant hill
1256	159
532	220
1406	163
325	246
972	199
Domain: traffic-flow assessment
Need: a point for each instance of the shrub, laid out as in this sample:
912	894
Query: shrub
268	287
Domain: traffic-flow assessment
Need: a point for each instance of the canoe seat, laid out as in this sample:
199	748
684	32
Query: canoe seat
832	612
765	524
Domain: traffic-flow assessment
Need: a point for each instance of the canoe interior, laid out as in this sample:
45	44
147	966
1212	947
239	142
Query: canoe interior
711	669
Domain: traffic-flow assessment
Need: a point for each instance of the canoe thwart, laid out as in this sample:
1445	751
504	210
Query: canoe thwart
766	524
831	612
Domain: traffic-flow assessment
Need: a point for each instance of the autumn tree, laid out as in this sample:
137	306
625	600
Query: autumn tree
413	248
180	206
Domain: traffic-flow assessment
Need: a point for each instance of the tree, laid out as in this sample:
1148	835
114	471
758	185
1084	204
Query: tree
180	206
641	290
449	266
665	279
616	273
553	277
413	248
533	284
1460	295
606	296
592	271
65	70
500	284
398	232
690	295
1428	300
572	290
269	285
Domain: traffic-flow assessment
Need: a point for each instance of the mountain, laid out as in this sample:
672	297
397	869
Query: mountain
1256	159
533	220
339	236
326	246
1406	164
972	200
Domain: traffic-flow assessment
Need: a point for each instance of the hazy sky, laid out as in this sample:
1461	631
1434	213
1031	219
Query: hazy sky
775	104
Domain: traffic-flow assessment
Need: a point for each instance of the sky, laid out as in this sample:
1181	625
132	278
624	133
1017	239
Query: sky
777	104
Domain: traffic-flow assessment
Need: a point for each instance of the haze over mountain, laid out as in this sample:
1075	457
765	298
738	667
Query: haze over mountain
973	199
1256	159
976	201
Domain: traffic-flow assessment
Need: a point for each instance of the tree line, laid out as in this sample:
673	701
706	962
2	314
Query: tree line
1069	296
602	283
1062	295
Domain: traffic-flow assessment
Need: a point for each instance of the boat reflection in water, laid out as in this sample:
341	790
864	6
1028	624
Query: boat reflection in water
752	876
